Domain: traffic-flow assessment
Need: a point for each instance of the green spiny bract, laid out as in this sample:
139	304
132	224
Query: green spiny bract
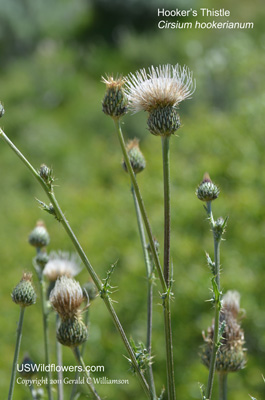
24	293
163	121
136	157
115	101
39	237
46	174
41	259
207	190
72	332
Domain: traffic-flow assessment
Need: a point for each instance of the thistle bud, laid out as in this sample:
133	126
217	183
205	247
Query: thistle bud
46	174
41	259
90	290
2	110
163	121
231	353
207	190
39	237
115	101
72	332
219	227
136	157
24	293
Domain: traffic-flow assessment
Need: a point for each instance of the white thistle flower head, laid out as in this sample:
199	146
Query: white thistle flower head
159	92
61	264
67	297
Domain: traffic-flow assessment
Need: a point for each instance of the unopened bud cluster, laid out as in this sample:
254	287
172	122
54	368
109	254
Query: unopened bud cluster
231	353
136	157
115	101
46	174
24	293
207	190
66	298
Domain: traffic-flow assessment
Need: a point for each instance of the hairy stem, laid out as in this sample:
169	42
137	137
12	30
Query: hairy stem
18	342
141	204
223	386
59	356
166	175
217	307
166	294
167	314
60	216
149	274
45	315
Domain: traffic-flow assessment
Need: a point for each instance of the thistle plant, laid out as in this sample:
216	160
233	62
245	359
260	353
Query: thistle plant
223	351
24	295
158	91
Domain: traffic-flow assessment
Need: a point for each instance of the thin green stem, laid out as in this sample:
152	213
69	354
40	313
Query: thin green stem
166	294
45	316
217	306
169	349
166	175
223	386
141	204
59	356
88	379
167	313
59	214
18	342
149	274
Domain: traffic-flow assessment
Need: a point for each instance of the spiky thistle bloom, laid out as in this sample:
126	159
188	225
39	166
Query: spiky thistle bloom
66	298
24	293
159	91
115	101
135	155
61	263
231	353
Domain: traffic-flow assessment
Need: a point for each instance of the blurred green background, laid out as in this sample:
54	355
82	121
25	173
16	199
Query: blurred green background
53	54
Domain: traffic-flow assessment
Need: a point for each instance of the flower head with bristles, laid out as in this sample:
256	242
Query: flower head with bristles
61	264
163	86
231	354
115	101
67	297
159	92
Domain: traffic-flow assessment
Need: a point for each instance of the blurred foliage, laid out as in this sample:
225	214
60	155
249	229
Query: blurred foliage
53	55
